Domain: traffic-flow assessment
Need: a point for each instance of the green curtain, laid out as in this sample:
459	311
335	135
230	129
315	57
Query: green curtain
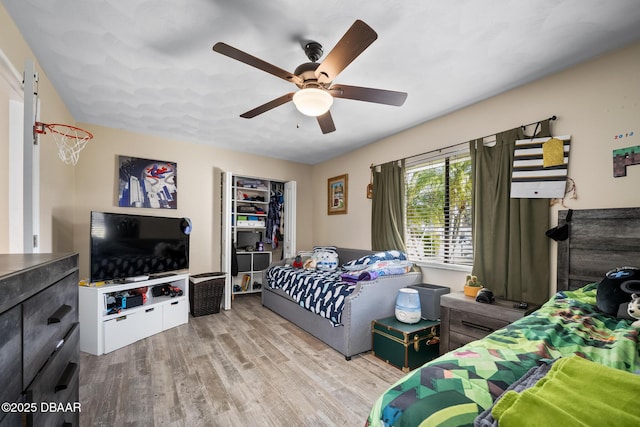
387	210
510	248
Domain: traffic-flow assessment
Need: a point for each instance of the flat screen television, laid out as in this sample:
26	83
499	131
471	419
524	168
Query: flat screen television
126	246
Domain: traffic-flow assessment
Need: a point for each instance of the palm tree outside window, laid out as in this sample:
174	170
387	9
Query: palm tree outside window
438	210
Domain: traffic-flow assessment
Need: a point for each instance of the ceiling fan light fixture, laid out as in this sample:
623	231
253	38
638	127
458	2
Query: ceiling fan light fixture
312	101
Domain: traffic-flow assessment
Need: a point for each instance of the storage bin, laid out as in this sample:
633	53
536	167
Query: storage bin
205	293
244	261
261	261
430	299
405	346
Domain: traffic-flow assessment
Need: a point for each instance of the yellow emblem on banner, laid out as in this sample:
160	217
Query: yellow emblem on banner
552	153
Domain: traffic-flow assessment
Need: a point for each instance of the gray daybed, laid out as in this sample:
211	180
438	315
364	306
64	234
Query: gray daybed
370	300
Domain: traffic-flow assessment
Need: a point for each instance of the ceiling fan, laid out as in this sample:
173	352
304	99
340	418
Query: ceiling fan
315	80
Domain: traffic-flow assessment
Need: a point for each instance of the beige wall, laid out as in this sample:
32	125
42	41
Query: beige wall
69	193
198	198
593	102
56	185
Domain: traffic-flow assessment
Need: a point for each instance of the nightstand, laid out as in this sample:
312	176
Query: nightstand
463	319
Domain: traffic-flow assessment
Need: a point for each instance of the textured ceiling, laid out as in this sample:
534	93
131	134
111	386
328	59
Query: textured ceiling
148	65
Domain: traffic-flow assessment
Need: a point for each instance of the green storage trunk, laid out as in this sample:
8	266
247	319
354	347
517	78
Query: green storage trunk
403	345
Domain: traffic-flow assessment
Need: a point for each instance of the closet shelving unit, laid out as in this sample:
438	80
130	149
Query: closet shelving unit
250	208
244	212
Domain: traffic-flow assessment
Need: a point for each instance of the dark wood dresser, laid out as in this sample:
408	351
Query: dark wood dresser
463	319
39	340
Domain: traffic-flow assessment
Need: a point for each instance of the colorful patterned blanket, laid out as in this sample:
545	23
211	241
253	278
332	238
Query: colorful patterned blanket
454	388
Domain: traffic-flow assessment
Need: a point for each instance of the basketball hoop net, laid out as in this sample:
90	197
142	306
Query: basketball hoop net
70	140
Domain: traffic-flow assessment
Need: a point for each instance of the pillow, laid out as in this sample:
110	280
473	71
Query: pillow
363	262
327	248
326	257
389	268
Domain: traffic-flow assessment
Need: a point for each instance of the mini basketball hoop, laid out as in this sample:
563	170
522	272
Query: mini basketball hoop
70	140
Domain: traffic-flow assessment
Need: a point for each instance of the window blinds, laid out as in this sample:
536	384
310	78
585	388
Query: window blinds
438	197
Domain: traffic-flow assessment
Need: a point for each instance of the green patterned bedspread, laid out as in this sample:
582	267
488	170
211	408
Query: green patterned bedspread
454	388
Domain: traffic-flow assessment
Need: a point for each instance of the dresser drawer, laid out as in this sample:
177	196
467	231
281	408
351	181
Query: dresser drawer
46	319
473	325
10	355
56	384
457	340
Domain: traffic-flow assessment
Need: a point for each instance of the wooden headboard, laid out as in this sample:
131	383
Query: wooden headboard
599	240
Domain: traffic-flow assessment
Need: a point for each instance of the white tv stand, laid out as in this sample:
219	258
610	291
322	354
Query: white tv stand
102	333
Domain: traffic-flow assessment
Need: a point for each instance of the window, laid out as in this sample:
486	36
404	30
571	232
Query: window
438	212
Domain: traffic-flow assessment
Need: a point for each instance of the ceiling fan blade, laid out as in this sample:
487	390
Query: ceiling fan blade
268	106
326	123
353	43
241	56
368	94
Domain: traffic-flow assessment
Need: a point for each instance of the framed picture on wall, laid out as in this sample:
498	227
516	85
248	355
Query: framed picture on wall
337	194
145	183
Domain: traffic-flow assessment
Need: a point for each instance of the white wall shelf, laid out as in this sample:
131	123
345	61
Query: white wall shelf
250	199
250	266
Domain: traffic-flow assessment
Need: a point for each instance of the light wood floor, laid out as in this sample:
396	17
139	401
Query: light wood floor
242	367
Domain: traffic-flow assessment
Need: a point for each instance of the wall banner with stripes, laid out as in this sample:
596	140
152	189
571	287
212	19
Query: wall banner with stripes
540	167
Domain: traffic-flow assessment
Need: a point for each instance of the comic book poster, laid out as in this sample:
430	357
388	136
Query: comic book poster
145	183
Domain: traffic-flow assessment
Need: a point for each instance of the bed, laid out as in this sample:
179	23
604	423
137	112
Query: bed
347	330
532	355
